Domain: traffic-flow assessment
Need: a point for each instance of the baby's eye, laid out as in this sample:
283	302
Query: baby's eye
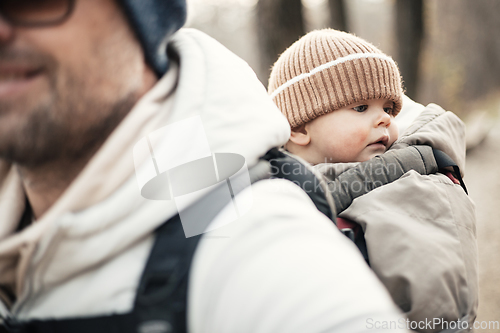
388	110
360	108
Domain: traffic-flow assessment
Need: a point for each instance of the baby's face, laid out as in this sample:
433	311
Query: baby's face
355	133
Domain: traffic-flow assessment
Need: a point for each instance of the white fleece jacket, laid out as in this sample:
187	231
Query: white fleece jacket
282	267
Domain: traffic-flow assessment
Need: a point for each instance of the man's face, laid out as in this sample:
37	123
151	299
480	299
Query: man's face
355	133
64	88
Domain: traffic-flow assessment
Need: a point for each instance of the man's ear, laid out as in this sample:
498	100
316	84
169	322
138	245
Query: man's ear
300	136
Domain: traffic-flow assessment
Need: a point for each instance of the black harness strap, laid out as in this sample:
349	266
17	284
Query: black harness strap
286	167
111	324
160	305
444	161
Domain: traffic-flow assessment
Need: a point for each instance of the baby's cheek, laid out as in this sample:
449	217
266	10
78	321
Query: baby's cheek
393	133
350	149
360	138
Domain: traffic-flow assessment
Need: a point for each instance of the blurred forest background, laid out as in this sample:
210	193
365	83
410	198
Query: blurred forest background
448	52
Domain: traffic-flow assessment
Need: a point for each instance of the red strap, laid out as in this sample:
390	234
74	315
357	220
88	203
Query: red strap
453	179
347	224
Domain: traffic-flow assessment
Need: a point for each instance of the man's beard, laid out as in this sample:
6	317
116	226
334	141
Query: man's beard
70	124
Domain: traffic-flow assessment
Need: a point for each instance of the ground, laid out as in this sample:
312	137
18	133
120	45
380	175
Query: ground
483	182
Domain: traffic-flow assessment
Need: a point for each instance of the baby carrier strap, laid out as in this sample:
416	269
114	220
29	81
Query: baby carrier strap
160	304
444	161
289	167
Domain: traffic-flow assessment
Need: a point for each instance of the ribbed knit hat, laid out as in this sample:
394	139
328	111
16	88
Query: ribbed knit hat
328	69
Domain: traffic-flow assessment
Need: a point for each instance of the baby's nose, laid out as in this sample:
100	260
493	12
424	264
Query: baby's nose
384	119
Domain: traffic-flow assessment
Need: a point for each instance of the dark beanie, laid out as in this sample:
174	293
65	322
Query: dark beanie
154	21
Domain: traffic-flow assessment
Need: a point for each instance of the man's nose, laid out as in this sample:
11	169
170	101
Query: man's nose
383	119
6	30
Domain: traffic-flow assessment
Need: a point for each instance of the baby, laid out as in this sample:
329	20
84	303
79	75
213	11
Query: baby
340	95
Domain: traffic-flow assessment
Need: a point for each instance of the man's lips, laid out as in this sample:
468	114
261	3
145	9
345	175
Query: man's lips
16	79
17	70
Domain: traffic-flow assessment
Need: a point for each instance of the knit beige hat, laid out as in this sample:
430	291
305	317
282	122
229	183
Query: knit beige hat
328	69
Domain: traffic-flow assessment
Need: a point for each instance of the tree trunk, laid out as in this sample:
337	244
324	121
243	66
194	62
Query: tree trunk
460	67
280	23
409	35
337	15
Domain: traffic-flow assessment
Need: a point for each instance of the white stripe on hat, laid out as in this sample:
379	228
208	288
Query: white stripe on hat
335	62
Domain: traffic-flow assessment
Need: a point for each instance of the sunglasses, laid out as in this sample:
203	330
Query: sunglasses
35	13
